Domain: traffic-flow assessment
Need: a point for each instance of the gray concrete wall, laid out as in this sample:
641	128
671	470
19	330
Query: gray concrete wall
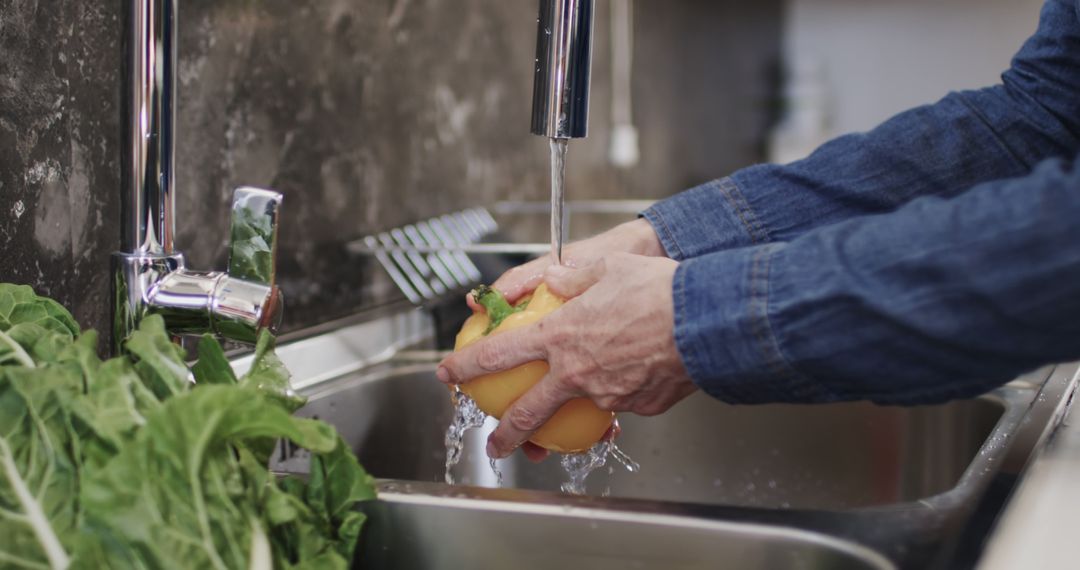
366	113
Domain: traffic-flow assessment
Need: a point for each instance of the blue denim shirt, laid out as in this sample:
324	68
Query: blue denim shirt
932	258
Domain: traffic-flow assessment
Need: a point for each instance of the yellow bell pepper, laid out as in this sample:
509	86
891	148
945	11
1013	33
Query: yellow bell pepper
578	424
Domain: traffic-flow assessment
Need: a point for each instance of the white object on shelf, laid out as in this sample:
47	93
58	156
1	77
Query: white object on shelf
623	150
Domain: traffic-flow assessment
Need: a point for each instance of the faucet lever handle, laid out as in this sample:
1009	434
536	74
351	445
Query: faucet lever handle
253	235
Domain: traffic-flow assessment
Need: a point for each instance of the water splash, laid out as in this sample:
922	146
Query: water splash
467	416
498	472
624	459
579	466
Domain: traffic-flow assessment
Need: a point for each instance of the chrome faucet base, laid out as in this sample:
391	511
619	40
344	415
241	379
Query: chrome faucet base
236	304
149	276
133	277
192	303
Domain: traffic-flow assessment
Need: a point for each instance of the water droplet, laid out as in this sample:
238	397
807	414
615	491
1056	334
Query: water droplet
621	456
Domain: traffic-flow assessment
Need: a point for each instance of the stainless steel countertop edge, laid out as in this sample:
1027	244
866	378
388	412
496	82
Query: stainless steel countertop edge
1040	520
348	349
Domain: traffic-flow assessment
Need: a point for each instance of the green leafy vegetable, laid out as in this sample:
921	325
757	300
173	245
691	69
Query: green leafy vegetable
19	304
128	464
11	352
269	374
159	362
38	469
177	491
213	367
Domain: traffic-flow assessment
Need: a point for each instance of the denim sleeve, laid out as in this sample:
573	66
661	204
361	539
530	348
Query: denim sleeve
940	299
942	149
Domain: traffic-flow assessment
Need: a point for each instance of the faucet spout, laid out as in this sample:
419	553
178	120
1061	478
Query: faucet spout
563	66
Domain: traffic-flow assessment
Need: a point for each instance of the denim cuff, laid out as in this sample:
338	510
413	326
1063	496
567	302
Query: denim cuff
724	335
711	217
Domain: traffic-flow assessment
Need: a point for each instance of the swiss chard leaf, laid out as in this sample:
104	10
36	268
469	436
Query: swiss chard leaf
115	404
121	464
269	374
160	363
19	304
41	344
345	484
39	458
176	491
11	352
213	367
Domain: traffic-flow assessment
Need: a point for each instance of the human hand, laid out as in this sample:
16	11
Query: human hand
536	454
636	237
612	342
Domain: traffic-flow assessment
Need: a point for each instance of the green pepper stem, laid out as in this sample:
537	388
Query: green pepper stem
495	304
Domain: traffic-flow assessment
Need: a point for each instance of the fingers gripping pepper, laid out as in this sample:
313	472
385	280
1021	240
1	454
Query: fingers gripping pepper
579	424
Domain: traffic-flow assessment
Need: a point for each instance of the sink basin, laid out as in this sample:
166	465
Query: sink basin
837	456
835	486
418	530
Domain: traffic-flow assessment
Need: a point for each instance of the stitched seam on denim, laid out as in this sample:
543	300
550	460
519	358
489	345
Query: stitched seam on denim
753	226
684	339
757	307
1055	131
667	233
993	133
679	295
762	330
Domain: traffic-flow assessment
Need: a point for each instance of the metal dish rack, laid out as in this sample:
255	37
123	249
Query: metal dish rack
430	259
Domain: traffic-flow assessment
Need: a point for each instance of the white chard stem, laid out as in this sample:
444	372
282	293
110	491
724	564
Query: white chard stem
50	543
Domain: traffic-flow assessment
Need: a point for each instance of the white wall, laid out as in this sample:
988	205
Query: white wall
883	56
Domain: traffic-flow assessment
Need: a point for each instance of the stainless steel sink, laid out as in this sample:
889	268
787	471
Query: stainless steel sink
835	456
409	529
837	486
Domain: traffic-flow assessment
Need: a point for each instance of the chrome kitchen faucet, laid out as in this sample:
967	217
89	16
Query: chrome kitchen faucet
150	277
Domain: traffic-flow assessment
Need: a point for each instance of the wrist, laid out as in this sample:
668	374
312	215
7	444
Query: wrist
645	239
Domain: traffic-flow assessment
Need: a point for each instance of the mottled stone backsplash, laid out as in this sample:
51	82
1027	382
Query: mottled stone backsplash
366	114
